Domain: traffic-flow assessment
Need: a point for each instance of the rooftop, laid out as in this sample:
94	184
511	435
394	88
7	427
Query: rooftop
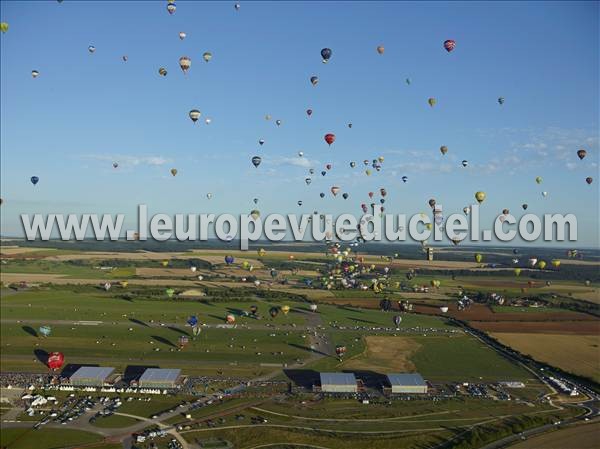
338	379
410	379
92	372
160	375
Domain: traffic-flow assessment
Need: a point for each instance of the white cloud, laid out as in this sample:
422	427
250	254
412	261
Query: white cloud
129	160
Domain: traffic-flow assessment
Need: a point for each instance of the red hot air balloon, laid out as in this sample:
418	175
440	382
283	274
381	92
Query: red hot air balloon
449	45
55	360
329	138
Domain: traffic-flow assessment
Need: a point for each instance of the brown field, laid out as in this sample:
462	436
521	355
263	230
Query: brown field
585	436
385	355
578	354
540	327
165	272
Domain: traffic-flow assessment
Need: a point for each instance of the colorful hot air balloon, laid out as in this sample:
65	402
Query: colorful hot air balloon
230	318
171	7
501	101
555	263
335	190
91	49
169	292
173	171
340	351
314	80
229	259
478	257
329	138
207	56
443	149
185	63
432	101
256	160
162	71
313	307
285	309
517	271
194	115
55	360
182	35
581	153
538	179
35	74
35	180
449	45
480	197
380	49
542	264
326	54
4	27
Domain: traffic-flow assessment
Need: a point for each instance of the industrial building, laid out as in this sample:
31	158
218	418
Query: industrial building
406	383
92	376
160	378
338	383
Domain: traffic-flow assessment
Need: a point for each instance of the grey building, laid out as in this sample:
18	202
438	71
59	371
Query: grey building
91	376
160	378
407	383
338	383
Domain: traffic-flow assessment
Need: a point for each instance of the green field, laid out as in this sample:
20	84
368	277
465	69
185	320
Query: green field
45	438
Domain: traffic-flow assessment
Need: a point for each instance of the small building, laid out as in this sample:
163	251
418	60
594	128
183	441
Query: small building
338	383
92	376
160	378
407	383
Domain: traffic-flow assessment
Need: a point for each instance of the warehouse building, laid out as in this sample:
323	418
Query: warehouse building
92	376
160	378
406	383
338	383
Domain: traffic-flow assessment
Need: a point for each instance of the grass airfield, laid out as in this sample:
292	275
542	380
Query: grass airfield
137	323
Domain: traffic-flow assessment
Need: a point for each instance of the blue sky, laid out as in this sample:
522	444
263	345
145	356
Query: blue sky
86	110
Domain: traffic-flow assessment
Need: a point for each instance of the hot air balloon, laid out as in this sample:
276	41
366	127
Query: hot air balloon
340	351
194	115
255	214
299	202
404	178
35	180
171	7
444	309
229	259
273	311
431	203
466	210
335	190
185	63
124	58
465	163
207	56
524	206
538	179
309	112
589	179
581	153
329	138
193	269
285	309
555	263
313	307
381	49
230	319
323	173
45	331
91	49
449	45
209	195
544	194
307	181
517	271
182	35
352	164
542	264
35	74
165	263
345	195
407	81
443	149
397	320
261	142
107	286
480	197
478	257
237	6
256	160
55	360
162	71
322	195
192	321
4	27
532	262
501	101
173	171
314	80
326	54
169	292
300	154
432	101
278	122
183	341
253	309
